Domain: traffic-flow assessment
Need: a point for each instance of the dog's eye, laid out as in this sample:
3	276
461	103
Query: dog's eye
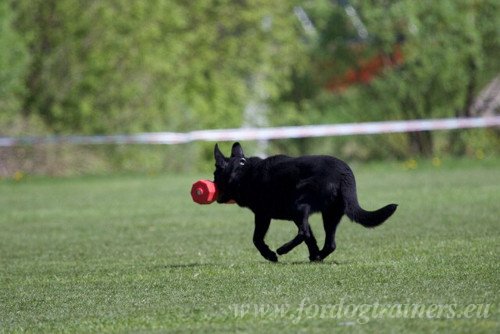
242	161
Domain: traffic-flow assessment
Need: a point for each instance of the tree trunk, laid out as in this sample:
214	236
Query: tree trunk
421	143
456	144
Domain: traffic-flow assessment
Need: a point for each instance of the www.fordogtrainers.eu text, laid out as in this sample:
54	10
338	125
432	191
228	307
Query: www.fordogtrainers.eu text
361	313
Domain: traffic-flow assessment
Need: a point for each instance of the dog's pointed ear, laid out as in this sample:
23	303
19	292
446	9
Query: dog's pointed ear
237	151
220	160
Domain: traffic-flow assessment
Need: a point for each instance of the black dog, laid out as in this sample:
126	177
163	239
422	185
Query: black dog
282	187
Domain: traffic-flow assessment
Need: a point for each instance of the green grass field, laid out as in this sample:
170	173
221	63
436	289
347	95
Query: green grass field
134	254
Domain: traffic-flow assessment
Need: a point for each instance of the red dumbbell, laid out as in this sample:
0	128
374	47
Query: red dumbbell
204	192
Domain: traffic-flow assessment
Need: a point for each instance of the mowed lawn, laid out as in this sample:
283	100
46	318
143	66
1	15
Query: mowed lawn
135	254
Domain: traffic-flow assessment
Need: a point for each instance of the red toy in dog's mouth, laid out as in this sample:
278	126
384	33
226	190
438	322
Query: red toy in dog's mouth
204	192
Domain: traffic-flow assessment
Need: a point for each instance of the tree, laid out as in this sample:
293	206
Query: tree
129	66
13	61
450	50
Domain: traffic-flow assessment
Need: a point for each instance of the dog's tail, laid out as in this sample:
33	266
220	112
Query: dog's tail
355	212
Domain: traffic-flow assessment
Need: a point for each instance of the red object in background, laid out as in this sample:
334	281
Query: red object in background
366	70
205	192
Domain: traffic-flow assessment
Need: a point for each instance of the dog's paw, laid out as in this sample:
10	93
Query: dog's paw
271	256
282	250
315	258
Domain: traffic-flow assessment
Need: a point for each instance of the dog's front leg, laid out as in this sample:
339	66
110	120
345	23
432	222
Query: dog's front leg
261	226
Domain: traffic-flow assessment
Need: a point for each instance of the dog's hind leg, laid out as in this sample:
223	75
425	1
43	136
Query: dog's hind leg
312	245
331	219
306	232
314	253
261	226
299	238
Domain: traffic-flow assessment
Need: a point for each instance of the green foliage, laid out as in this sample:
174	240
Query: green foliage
450	51
13	61
443	50
128	66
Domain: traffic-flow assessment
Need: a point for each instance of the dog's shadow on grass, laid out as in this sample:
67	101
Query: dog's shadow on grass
282	263
186	265
316	263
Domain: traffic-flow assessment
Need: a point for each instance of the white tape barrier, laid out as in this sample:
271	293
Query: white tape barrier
263	133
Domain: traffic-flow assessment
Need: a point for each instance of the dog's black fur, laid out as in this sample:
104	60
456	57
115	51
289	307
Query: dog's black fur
282	187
